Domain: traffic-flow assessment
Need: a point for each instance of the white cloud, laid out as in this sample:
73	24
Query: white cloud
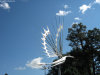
20	68
97	1
66	6
63	13
35	63
5	5
77	18
84	8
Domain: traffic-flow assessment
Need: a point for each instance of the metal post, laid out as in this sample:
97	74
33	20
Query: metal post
59	70
59	67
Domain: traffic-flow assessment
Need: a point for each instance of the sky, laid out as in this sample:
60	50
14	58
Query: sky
21	25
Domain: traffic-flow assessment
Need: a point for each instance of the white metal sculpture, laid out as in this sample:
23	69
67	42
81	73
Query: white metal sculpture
53	46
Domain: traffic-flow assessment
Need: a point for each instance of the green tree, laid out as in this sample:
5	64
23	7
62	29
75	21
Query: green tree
6	74
77	35
87	41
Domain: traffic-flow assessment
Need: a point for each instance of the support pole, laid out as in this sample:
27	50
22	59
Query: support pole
59	70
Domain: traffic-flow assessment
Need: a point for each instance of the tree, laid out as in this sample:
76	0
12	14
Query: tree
6	74
77	35
87	41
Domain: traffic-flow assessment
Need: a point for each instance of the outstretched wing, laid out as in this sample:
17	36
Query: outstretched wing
51	45
47	44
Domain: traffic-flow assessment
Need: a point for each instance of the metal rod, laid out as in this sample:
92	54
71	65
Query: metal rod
59	70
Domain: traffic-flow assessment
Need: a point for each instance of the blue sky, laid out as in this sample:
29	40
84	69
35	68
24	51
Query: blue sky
21	24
